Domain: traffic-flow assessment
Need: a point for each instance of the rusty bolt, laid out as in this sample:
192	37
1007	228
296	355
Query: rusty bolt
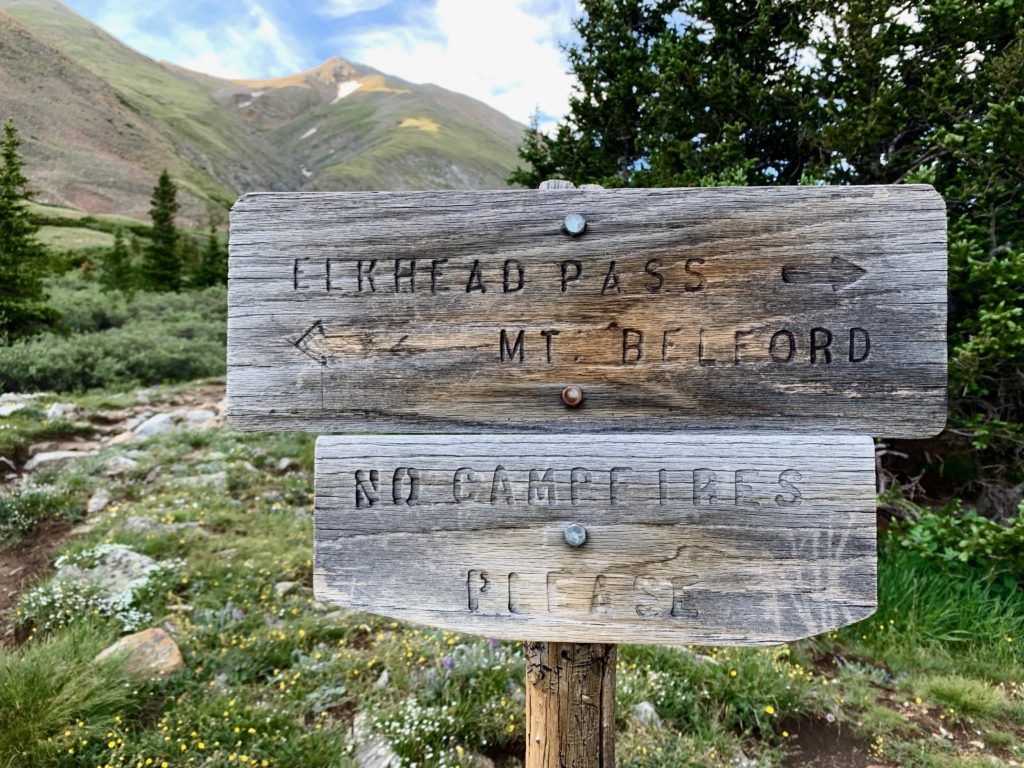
572	396
575	535
574	224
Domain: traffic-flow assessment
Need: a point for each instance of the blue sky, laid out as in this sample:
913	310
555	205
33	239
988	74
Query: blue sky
503	52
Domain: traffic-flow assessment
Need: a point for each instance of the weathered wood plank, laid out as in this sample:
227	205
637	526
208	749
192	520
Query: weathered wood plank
570	705
703	538
777	309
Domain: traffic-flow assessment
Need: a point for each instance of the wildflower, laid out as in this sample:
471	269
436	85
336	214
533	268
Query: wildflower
447	662
733	673
770	709
830	718
238	613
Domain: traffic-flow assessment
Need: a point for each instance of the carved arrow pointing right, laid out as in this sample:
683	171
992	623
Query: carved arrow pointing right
840	273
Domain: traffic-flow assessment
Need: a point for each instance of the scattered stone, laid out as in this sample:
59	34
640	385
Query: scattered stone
336	616
319	607
199	419
213	479
134	421
273	496
98	501
47	447
60	410
481	761
146	654
282	588
153	474
8	408
226	553
372	750
121	438
120	465
146	525
52	458
5	462
288	464
160	424
646	714
114	573
142	397
83	529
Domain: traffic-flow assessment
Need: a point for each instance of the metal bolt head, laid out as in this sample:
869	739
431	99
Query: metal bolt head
574	224
575	535
572	396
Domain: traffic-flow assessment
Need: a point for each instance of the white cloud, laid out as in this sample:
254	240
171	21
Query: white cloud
342	8
251	45
503	52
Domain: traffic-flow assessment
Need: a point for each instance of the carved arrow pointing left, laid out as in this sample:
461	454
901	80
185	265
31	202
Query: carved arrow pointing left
308	342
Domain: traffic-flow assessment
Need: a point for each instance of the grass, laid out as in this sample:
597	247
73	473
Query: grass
73	238
274	676
57	703
23	510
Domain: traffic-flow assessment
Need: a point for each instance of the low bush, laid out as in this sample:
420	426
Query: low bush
152	339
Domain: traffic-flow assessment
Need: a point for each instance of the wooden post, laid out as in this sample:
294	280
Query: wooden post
570	705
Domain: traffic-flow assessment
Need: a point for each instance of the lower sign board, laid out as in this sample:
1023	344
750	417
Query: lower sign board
748	539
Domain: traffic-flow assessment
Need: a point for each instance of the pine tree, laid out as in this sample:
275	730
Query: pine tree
213	267
23	308
116	271
162	263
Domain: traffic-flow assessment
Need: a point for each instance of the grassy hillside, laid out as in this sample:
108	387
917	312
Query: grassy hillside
100	121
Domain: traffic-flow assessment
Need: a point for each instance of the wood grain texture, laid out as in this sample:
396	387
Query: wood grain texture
570	705
713	538
777	309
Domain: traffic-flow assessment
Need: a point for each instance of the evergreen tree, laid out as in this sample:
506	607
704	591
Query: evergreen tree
116	271
700	92
23	308
213	266
162	267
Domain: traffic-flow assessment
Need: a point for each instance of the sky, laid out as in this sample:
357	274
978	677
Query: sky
504	52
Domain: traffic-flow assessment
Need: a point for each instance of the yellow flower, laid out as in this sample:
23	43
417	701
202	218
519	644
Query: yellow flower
733	673
785	734
770	709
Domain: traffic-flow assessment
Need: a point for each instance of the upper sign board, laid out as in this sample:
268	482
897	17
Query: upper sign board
705	538
794	308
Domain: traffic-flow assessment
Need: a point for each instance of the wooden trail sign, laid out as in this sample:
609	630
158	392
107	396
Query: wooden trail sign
778	309
714	538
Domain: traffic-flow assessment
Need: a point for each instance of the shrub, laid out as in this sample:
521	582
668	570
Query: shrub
153	339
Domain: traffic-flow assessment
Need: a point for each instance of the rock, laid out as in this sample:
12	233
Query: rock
146	525
288	464
8	408
336	616
8	464
83	529
199	419
47	447
121	438
383	680
98	501
146	654
160	424
134	421
646	714
120	465
372	751
273	496
213	479
153	474
481	761
52	458
60	410
282	588
114	573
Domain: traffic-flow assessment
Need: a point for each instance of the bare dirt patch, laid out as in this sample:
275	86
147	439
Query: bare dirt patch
819	744
24	564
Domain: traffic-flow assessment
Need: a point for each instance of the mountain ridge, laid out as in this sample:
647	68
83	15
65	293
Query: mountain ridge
99	121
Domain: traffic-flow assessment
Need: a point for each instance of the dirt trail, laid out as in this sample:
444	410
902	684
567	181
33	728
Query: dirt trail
24	564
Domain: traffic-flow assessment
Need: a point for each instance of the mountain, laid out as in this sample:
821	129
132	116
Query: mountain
100	120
